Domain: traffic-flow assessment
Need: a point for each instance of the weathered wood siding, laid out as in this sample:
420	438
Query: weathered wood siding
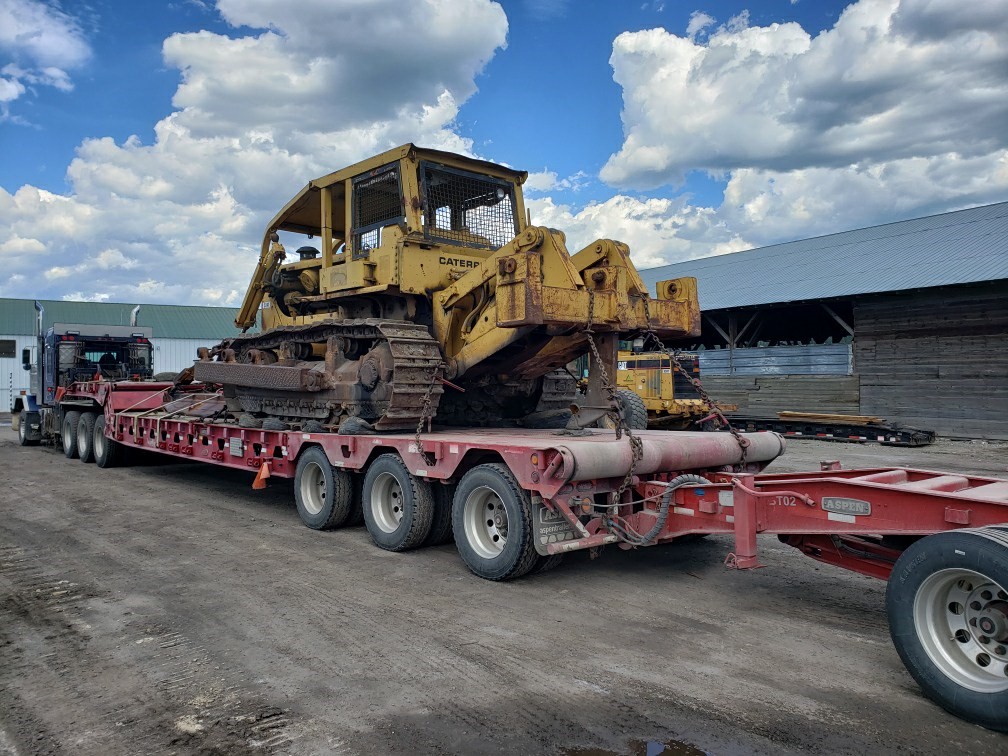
768	395
936	359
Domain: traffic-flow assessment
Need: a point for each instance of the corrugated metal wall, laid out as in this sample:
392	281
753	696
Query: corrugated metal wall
13	378
936	359
804	359
177	354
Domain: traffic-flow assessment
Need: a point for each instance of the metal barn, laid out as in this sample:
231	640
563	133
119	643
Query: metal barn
908	321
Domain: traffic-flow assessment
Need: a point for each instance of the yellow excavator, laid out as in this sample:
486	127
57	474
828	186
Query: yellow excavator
420	289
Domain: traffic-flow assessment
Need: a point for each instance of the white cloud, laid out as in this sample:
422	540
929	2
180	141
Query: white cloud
80	296
257	116
43	44
541	181
899	110
698	21
545	181
875	87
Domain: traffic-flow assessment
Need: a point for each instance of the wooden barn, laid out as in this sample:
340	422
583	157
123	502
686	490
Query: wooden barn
907	321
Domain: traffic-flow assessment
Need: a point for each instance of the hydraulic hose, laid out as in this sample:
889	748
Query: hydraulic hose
627	533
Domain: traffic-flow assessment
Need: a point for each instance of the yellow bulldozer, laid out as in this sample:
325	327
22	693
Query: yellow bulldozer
666	389
420	290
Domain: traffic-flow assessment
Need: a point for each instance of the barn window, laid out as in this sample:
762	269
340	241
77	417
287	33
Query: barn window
8	348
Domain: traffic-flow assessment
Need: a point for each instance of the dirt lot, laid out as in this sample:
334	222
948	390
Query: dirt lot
171	609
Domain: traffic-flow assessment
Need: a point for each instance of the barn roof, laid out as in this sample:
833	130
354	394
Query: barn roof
17	317
964	246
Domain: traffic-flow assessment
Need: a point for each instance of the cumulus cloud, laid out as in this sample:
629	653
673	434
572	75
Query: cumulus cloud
257	114
42	44
900	109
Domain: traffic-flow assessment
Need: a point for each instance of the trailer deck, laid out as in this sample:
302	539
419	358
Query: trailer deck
516	500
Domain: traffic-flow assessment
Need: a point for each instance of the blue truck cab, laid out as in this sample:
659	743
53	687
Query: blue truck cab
69	352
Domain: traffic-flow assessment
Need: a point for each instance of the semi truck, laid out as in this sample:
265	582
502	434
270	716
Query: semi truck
64	354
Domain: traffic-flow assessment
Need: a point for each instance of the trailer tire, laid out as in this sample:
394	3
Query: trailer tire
492	520
397	506
356	516
69	433
85	436
28	436
441	520
107	452
945	592
634	411
324	494
547	563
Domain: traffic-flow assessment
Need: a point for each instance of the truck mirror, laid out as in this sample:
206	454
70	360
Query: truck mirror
26	358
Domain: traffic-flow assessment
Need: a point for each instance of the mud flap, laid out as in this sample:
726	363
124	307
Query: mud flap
549	527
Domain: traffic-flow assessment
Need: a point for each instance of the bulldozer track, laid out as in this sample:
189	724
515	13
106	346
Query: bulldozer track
416	358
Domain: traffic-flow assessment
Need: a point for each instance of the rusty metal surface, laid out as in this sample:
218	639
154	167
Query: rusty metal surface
663	450
275	377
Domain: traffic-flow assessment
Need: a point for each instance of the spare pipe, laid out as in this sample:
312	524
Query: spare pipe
602	455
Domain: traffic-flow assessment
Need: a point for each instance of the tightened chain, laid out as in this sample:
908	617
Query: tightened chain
709	405
616	411
427	414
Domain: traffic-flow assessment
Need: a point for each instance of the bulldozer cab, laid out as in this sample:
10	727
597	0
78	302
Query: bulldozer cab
408	221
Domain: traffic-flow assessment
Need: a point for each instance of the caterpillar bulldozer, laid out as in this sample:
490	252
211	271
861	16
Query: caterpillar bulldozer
420	290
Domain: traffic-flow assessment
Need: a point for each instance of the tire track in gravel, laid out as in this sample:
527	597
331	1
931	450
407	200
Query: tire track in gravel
49	650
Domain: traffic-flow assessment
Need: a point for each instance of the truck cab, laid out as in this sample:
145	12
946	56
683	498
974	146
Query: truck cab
67	353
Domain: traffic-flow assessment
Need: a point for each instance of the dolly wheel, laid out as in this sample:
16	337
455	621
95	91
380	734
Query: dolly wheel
947	602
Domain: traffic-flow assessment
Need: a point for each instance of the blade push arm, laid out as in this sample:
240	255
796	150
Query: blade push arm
272	255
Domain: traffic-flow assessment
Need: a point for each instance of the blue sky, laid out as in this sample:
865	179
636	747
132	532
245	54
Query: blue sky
144	141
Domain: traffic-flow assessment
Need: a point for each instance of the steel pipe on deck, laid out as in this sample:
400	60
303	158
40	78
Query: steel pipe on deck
597	456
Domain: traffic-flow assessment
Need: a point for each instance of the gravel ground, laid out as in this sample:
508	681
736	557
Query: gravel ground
171	609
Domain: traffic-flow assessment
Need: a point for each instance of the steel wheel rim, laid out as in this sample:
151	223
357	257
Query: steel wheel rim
99	442
313	488
387	502
22	430
949	611
486	523
82	439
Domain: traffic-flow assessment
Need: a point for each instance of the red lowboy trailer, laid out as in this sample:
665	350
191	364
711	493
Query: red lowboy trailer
516	500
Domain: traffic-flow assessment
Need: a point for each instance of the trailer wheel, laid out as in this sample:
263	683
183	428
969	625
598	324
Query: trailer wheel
107	451
69	433
85	436
947	602
441	521
547	563
28	436
634	411
492	520
324	494
356	516
397	505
